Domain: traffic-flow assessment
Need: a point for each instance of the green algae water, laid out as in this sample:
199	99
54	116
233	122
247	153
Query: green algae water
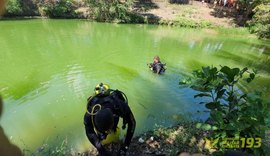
50	67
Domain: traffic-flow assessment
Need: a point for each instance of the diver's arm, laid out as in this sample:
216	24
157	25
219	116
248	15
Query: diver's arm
131	127
127	117
120	95
91	135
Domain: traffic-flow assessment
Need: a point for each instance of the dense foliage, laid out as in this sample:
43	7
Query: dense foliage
260	23
14	7
233	113
57	8
21	8
112	10
245	7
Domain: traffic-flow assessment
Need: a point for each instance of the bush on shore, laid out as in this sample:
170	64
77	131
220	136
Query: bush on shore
102	10
113	11
21	8
233	113
57	8
14	8
260	23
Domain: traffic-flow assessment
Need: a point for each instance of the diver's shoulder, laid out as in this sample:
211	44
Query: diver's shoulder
116	92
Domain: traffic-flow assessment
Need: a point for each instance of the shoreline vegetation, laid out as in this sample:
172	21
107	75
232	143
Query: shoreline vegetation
177	13
139	13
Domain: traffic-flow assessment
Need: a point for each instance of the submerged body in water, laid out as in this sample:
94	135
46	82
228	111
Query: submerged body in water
157	66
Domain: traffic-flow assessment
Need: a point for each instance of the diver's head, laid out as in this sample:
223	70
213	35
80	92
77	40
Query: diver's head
104	120
102	89
156	59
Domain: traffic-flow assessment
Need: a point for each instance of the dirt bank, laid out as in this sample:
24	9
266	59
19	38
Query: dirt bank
183	138
194	10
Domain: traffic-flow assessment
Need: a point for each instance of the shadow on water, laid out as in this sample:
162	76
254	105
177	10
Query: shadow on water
6	148
262	65
130	73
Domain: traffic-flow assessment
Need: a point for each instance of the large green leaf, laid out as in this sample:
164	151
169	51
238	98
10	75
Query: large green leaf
230	73
220	93
214	128
212	105
202	95
206	127
226	70
199	125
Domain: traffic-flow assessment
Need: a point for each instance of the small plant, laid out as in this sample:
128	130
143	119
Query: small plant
233	113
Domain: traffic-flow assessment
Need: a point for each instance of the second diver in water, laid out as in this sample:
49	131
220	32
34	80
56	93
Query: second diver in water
157	66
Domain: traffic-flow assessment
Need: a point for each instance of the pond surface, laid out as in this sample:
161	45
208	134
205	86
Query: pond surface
50	67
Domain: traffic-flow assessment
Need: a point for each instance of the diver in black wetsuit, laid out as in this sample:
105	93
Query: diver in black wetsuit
102	116
157	66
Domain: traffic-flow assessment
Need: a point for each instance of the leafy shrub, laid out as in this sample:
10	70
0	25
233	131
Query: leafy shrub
135	18
30	7
57	8
260	23
233	113
245	7
13	8
112	10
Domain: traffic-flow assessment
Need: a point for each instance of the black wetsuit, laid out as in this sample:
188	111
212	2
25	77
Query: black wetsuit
157	67
119	107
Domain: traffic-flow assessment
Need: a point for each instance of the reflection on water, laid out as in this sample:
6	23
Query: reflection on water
51	66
